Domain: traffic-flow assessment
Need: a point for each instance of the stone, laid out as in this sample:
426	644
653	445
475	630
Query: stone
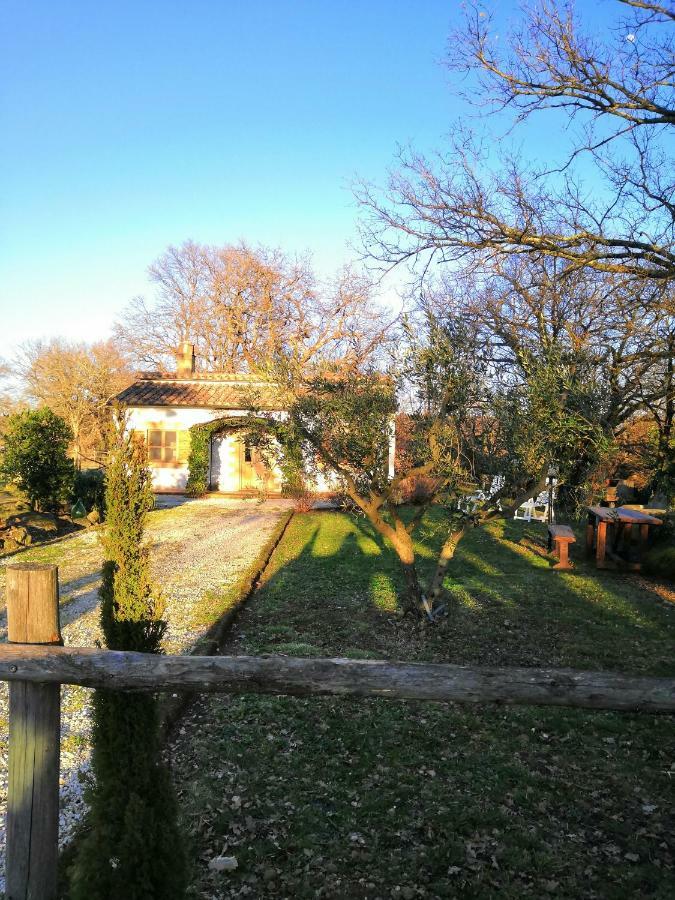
223	864
94	517
18	536
40	526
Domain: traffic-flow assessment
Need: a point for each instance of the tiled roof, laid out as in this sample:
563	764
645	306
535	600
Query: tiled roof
230	377
217	391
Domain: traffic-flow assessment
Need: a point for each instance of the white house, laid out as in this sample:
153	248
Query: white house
162	407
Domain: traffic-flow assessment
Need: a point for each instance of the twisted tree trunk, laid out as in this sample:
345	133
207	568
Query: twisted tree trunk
445	557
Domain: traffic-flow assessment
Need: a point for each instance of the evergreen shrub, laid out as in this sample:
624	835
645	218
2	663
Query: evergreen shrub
35	448
131	848
660	561
90	489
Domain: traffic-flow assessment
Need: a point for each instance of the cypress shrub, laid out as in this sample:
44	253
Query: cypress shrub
131	848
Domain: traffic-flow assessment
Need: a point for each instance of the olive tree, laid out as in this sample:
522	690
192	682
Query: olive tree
467	428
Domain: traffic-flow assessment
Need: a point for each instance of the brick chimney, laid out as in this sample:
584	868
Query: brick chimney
185	360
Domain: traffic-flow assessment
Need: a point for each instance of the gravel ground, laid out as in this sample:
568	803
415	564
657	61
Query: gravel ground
197	547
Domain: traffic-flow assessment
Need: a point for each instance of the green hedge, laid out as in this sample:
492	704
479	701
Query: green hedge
660	560
90	489
198	460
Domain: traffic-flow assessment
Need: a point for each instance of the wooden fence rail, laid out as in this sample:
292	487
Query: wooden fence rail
126	671
35	664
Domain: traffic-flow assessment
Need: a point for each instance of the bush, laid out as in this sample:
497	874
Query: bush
90	489
660	561
302	495
198	460
35	457
418	489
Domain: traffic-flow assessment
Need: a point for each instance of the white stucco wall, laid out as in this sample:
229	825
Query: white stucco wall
142	418
224	464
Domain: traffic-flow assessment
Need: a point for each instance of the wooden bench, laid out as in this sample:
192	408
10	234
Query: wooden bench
562	536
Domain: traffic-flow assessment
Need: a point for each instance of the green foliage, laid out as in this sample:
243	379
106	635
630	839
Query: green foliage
131	606
662	459
660	561
90	489
198	460
35	456
131	849
340	422
200	447
514	427
551	418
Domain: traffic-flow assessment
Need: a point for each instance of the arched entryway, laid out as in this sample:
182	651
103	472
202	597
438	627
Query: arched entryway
238	467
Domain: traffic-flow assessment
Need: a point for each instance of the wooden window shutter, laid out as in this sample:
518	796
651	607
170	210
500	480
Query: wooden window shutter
183	446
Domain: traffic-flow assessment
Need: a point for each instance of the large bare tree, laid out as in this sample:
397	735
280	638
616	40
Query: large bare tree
76	381
611	94
8	398
247	309
616	350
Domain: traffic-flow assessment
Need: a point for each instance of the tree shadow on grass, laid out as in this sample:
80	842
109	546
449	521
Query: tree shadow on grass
470	801
336	587
509	605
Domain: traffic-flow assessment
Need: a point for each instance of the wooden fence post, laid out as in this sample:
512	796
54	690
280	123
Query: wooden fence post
34	739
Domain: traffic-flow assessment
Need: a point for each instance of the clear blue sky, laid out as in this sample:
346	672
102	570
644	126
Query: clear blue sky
127	126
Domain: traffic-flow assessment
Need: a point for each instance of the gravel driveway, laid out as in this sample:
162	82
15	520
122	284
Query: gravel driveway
197	547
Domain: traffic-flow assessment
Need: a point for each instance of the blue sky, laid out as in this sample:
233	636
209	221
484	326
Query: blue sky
127	126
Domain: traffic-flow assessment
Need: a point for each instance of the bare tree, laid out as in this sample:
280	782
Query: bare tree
616	352
620	91
76	381
245	309
9	400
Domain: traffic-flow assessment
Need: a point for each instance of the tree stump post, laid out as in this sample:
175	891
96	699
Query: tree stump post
34	740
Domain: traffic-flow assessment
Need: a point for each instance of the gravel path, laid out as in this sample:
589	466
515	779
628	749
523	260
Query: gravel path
197	547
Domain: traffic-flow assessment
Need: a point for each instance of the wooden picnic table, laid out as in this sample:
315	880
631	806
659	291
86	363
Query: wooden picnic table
611	530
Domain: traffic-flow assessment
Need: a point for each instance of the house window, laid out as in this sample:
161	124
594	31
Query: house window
247	454
162	445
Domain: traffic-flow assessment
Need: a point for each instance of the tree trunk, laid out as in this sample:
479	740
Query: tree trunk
402	542
446	555
666	430
414	598
403	545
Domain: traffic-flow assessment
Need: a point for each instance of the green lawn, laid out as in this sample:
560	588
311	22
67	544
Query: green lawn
340	799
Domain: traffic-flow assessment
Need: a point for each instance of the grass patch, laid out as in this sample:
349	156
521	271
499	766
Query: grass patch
374	799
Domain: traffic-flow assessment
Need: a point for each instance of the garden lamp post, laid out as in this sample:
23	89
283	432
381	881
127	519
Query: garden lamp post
551	477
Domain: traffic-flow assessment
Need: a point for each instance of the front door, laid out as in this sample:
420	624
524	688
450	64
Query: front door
248	479
253	472
236	466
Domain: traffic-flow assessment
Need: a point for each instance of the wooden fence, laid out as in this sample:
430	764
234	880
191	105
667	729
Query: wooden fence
35	664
